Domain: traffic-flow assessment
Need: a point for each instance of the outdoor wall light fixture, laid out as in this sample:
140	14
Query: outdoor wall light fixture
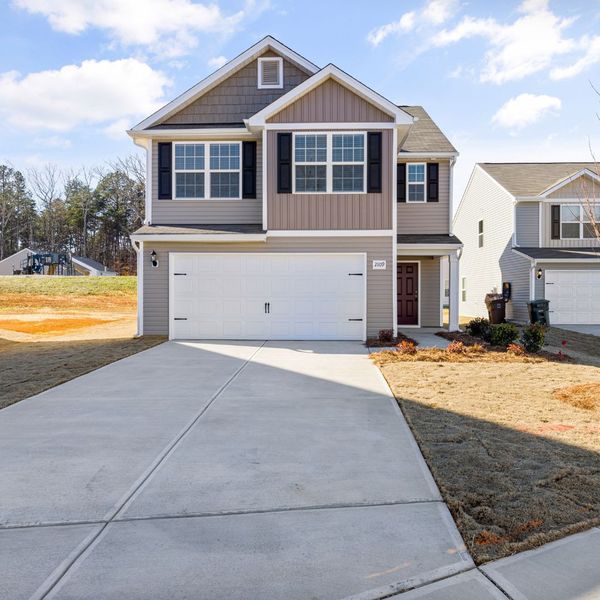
153	258
539	273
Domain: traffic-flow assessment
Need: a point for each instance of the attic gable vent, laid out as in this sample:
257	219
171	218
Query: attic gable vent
270	73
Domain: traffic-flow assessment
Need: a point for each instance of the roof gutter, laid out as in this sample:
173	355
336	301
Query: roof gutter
431	155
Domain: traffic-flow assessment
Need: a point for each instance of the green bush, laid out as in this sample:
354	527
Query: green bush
479	328
504	334
533	337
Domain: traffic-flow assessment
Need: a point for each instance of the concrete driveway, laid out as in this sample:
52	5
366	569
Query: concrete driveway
589	329
220	470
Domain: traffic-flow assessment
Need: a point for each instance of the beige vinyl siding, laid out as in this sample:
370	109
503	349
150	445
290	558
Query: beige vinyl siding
220	211
431	294
548	242
238	97
428	217
379	283
330	211
528	225
581	188
330	102
541	283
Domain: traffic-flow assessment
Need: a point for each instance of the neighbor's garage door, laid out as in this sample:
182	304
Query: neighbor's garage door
574	297
267	296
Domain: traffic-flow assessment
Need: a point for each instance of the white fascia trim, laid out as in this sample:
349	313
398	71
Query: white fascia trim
330	232
570	179
433	155
519	199
220	74
329	126
265	189
395	237
451	196
331	71
228	132
200	237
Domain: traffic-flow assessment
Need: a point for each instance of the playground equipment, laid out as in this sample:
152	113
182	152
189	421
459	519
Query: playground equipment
48	263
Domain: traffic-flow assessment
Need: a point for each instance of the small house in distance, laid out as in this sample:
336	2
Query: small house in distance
88	266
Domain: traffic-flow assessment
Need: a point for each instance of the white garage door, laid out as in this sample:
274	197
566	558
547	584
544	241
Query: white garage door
574	297
267	296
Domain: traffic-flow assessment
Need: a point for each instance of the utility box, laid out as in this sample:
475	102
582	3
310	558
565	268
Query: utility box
496	306
539	311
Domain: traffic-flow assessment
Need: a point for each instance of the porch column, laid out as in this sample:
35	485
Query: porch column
454	285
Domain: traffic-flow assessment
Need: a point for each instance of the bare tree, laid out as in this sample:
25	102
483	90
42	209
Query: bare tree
45	185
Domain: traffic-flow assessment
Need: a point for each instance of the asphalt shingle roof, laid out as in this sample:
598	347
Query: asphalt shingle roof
561	253
424	135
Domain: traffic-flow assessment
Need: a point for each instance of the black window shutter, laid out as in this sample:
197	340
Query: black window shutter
248	169
401	182
165	176
284	163
433	182
374	162
555	233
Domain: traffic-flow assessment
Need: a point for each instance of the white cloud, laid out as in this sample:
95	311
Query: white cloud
52	141
434	12
217	62
524	110
591	57
167	27
95	92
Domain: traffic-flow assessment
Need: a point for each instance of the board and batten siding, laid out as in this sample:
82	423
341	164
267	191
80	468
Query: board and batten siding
330	211
527	225
330	102
428	217
219	211
548	242
580	188
485	269
379	282
431	293
238	97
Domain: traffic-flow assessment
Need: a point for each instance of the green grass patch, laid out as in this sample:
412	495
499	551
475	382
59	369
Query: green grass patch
68	286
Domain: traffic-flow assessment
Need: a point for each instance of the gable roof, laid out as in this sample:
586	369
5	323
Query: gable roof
535	179
424	135
331	72
221	74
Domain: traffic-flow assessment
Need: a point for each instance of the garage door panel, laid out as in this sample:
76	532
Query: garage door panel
574	296
311	296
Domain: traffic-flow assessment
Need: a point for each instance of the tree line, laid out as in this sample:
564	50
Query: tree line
89	212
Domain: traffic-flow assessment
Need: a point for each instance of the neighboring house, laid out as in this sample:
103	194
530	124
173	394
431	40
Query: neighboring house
288	201
527	224
13	262
87	266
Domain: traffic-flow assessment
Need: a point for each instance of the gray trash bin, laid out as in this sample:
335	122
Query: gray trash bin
539	311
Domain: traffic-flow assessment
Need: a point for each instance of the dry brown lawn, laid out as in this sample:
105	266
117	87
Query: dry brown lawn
516	461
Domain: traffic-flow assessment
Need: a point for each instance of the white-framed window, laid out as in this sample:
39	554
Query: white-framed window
575	221
463	289
270	73
329	163
480	233
207	170
415	182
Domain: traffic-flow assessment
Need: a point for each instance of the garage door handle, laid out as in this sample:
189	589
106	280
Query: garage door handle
179	273
354	319
180	319
359	274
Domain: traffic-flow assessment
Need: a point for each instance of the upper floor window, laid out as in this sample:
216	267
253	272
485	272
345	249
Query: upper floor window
270	73
206	170
577	221
480	233
415	182
329	163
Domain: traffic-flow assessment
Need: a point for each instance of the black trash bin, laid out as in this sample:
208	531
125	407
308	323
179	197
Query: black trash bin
496	306
539	311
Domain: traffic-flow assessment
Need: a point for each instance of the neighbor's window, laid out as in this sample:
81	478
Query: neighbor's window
463	288
310	162
480	233
575	221
415	182
348	160
591	216
207	170
189	171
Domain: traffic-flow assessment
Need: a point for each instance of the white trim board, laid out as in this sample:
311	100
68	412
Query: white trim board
200	237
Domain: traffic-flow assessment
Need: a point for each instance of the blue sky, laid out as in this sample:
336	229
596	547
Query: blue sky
505	79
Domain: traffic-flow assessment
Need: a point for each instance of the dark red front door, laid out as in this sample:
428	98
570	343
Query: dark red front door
408	293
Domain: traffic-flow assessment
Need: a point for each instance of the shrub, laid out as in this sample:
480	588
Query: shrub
386	336
407	347
456	347
533	337
516	349
504	334
479	328
476	349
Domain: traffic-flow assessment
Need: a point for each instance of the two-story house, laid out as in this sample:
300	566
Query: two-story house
531	225
288	201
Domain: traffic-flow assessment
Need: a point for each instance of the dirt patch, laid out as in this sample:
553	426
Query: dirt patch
36	303
585	396
43	326
517	466
572	340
